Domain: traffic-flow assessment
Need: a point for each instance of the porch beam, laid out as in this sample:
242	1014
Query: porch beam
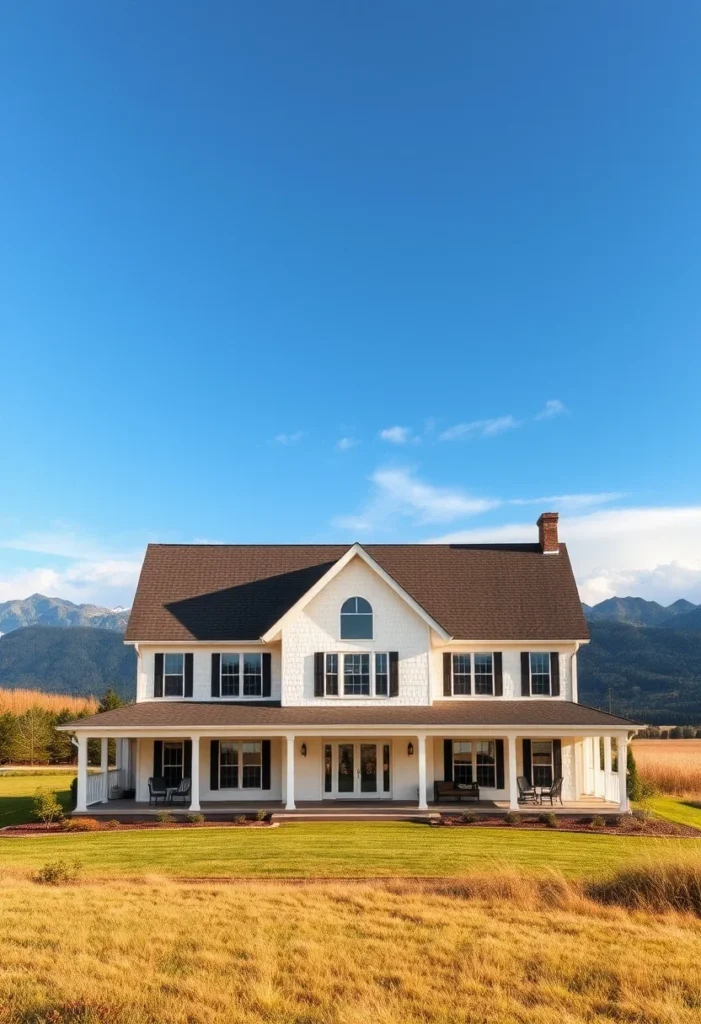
290	744
513	775
104	768
195	774
82	789
421	743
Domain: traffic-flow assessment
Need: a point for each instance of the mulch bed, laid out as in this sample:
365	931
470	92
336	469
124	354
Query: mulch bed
79	827
625	825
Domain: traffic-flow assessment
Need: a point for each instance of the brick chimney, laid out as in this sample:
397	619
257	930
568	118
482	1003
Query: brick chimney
547	533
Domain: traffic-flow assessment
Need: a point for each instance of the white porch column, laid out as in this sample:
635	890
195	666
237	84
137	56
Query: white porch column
513	774
607	766
104	768
421	738
623	804
82	792
195	775
290	742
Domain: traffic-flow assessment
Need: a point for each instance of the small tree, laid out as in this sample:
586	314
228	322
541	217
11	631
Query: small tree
32	738
46	806
111	701
8	729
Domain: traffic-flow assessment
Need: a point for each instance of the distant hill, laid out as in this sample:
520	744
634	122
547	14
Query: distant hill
39	610
649	674
688	623
82	661
636	611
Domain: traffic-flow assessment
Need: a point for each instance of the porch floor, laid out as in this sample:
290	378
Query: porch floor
348	810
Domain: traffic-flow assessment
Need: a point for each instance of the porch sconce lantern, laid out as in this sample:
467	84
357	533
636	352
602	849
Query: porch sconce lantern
304	750
410	750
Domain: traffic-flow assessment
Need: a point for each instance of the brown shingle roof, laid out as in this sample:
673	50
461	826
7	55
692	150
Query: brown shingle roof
237	592
499	713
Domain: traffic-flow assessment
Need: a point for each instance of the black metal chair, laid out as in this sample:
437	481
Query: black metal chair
526	791
554	793
157	790
181	793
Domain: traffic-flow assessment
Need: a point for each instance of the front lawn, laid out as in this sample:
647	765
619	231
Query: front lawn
343	849
683	812
17	793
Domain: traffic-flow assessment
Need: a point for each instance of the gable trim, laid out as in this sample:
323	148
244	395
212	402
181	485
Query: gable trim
356	550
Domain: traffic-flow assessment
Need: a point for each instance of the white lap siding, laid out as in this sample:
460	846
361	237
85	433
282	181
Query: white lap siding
202	667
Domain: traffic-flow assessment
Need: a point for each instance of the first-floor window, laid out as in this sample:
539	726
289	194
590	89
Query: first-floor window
173	675
356	675
542	762
540	674
240	765
475	761
486	764
172	763
462	762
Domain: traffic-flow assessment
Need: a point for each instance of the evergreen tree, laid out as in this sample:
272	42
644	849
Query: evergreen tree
110	701
635	788
33	736
8	727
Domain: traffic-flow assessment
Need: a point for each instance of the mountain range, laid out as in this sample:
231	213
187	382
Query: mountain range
39	610
636	611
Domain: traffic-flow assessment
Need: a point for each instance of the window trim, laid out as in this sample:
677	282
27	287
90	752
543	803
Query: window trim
546	655
371	613
241	695
239	743
471	655
474	752
340	675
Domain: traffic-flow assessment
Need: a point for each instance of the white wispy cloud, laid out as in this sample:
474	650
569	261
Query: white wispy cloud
647	552
553	407
289	439
479	428
569	502
396	435
344	444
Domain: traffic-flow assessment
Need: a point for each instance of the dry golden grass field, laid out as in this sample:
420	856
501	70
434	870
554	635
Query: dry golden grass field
19	701
499	948
672	766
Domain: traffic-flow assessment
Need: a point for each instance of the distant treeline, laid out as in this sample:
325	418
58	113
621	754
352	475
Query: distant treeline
676	732
30	736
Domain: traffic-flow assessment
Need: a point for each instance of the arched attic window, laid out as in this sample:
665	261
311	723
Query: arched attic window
356	619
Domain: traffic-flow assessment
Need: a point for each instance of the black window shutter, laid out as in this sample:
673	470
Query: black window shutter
527	760
216	675
500	763
447	675
158	676
158	758
187	759
498	676
394	673
189	667
267	674
214	764
319	674
554	674
525	674
557	759
266	764
448	760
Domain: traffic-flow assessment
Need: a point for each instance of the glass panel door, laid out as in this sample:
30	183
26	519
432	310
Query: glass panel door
346	768
368	767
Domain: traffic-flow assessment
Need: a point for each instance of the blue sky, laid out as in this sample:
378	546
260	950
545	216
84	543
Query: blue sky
322	271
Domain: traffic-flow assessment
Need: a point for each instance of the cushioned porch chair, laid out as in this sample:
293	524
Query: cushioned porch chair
157	790
526	791
181	793
554	793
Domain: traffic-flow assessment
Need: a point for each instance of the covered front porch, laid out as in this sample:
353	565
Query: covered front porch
366	775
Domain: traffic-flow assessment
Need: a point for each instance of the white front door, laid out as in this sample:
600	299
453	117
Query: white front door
356	769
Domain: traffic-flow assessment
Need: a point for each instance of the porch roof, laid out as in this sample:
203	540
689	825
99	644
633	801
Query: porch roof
189	714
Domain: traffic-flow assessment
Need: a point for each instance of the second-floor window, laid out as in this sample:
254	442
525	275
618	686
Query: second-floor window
173	675
357	675
241	675
540	674
469	667
356	619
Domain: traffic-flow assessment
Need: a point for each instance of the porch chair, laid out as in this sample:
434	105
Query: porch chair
526	791
554	793
157	790
182	792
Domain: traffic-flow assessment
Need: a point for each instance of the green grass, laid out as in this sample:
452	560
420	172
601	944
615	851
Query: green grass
677	809
17	793
338	850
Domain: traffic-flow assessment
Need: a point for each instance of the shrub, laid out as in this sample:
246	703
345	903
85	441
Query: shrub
46	806
240	820
613	821
512	818
641	814
261	814
74	793
165	817
82	825
468	818
195	818
548	819
58	872
113	823
598	821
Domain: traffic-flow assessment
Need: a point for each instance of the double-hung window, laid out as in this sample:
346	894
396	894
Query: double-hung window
475	761
241	675
356	675
542	762
240	765
465	668
173	675
230	664
540	673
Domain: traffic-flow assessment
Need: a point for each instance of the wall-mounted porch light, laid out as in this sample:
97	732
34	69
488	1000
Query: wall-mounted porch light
304	750
410	749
